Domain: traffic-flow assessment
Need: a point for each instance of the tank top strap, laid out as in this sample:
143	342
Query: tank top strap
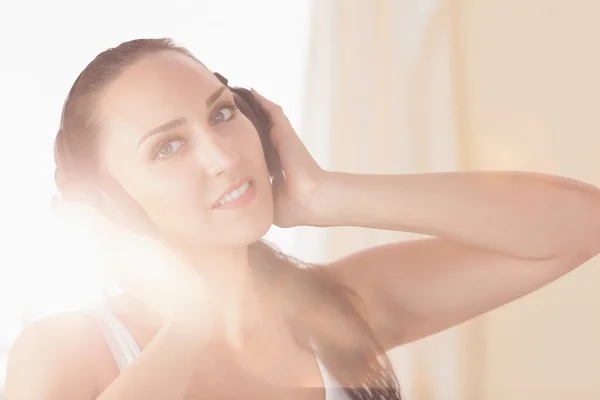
122	345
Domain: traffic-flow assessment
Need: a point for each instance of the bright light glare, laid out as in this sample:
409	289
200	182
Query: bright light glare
73	278
52	261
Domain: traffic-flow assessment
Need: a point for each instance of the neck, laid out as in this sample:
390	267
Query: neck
239	292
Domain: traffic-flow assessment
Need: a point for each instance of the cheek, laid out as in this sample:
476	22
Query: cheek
169	201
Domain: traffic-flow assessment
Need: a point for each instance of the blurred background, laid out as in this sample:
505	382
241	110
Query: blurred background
379	86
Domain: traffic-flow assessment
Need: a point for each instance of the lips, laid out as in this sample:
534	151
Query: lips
230	193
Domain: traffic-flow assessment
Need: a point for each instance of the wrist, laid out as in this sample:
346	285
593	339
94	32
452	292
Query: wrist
328	202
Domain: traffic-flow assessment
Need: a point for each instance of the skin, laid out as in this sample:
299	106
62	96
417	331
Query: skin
543	227
178	191
205	150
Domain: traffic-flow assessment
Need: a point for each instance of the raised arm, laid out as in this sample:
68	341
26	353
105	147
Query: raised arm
498	236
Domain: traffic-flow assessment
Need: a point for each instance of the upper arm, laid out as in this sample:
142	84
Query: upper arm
414	289
49	360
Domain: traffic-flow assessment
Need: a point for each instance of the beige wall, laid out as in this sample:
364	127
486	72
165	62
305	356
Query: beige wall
528	76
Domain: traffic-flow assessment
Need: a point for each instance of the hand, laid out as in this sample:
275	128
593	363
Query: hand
293	192
149	272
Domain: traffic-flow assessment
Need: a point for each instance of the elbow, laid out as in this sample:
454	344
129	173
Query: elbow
579	247
577	235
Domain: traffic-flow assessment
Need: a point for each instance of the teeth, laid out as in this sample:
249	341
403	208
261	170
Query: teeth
234	194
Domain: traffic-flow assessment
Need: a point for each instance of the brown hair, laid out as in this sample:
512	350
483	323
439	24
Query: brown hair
322	313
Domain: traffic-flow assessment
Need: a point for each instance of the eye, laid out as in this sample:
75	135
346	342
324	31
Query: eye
223	114
166	148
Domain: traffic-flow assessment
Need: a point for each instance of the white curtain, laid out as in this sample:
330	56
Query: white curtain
380	99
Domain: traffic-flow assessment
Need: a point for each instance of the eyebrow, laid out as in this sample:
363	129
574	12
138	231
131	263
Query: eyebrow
174	123
215	96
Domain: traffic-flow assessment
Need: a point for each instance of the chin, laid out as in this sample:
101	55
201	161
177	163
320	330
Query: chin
240	228
246	232
241	235
252	225
235	232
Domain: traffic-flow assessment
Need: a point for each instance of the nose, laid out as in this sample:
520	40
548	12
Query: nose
216	154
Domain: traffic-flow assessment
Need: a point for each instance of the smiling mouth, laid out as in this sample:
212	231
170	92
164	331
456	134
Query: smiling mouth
235	195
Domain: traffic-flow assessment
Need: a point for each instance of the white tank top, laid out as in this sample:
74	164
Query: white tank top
125	350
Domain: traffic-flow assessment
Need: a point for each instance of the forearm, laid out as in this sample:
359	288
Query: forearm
163	371
520	214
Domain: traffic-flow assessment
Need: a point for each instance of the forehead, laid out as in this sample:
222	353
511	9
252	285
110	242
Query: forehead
155	89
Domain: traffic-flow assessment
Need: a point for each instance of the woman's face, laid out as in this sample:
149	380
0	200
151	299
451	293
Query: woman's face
173	139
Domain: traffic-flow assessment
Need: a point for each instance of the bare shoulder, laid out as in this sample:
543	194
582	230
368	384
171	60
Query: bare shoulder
62	356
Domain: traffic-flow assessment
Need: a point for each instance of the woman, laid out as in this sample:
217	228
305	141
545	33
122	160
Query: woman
220	314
